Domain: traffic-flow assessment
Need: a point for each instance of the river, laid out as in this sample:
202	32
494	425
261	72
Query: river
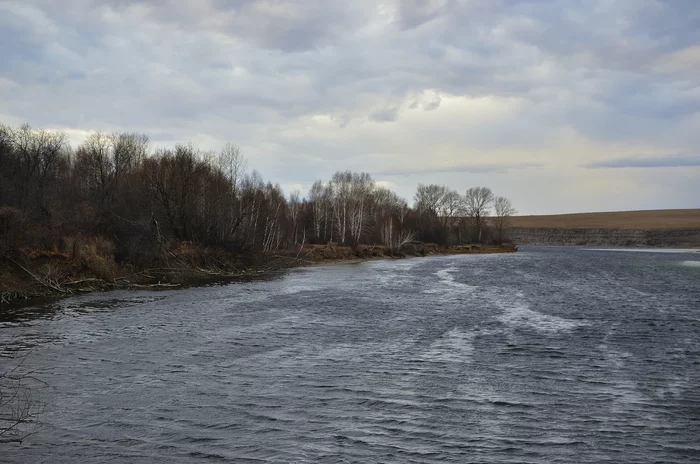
547	355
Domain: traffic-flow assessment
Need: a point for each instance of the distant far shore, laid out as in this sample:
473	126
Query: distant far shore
675	228
650	219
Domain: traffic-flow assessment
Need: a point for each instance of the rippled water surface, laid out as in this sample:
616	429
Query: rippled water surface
548	355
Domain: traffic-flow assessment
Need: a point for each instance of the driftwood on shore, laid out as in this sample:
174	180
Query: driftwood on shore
159	285
45	282
151	278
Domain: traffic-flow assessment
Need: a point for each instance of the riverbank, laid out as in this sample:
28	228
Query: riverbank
29	275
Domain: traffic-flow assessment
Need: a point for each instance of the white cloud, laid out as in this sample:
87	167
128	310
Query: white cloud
683	61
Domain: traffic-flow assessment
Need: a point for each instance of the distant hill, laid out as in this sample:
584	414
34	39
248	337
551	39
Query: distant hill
651	219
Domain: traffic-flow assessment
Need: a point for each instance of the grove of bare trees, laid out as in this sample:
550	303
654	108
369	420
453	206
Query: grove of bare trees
447	217
141	201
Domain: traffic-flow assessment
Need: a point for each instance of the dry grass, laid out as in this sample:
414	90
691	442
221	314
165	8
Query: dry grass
95	254
480	249
652	219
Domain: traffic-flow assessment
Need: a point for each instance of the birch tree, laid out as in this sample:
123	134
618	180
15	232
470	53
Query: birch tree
294	214
362	187
318	199
341	185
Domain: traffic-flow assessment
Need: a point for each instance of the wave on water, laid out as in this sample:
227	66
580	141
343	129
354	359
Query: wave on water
648	250
690	263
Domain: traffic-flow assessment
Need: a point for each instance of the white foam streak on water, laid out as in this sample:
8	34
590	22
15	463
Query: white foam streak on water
524	316
516	310
690	263
453	346
405	265
292	289
447	278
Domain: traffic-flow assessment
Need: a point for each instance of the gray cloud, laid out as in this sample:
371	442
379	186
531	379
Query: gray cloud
508	81
278	25
483	168
665	161
414	13
385	115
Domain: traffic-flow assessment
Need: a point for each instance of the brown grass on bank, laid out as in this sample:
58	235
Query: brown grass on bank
652	219
480	249
94	255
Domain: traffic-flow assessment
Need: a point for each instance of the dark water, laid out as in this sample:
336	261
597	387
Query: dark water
549	355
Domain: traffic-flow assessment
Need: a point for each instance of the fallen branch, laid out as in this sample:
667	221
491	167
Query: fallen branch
145	272
91	279
39	279
154	285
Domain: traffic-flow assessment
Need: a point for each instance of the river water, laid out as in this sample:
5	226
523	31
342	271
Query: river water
547	355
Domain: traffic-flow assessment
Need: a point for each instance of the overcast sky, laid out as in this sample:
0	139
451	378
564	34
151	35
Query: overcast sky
562	106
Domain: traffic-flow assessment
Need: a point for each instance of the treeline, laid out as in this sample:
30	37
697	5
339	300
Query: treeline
113	186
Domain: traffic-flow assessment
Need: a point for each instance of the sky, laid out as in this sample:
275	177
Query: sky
561	106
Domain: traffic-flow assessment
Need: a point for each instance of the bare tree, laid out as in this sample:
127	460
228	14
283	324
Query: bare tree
429	197
51	148
477	202
449	207
362	187
177	179
294	208
503	210
274	211
427	201
389	210
128	150
233	165
100	172
8	164
318	205
402	213
25	149
37	157
341	185
328	228
252	199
